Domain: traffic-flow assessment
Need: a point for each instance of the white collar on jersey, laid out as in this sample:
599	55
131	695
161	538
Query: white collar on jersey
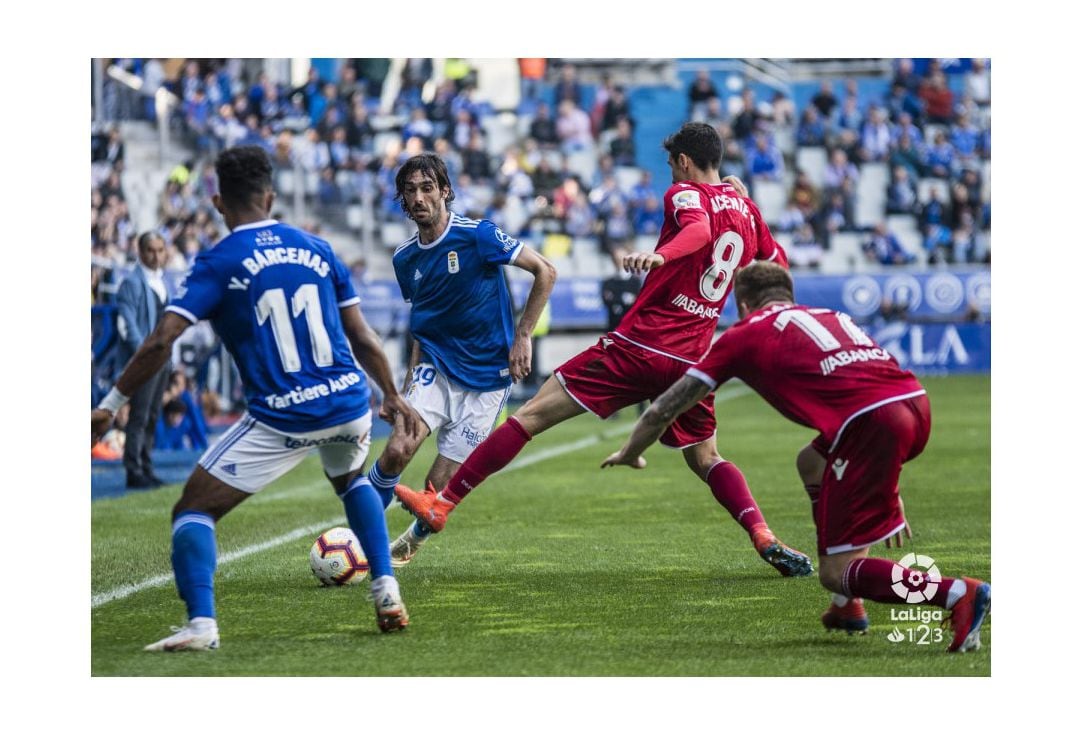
436	242
258	224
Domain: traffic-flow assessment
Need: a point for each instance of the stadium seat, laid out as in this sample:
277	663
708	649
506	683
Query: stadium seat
483	195
844	254
930	131
382	139
603	140
627	177
588	259
354	216
901	223
554	158
785	140
500	132
644	243
870	194
524	125
812	161
911	240
927	183
286	182
770	197
582	163
394	233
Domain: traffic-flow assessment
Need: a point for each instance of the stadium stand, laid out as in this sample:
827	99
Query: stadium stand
338	134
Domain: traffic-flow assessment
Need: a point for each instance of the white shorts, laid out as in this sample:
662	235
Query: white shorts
462	418
250	455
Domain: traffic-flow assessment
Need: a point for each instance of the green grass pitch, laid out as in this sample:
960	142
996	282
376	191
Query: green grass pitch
556	568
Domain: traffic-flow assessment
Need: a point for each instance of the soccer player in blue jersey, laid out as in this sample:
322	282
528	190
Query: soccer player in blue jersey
285	308
466	349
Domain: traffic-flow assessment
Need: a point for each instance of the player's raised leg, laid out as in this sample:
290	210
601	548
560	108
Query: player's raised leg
728	486
205	501
550	406
406	546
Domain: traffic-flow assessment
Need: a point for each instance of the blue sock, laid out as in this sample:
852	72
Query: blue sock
420	530
383	484
365	512
194	558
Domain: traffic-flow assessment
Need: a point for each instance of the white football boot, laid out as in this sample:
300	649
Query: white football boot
201	633
389	609
405	547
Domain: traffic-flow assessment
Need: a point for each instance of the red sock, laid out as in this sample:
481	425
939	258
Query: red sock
501	446
872	578
730	490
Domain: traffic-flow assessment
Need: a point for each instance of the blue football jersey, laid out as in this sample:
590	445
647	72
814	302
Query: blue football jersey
461	312
272	293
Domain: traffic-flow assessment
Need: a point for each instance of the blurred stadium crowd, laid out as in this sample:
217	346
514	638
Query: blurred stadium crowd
848	175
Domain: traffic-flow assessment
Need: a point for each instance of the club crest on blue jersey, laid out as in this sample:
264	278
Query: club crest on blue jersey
452	265
267	237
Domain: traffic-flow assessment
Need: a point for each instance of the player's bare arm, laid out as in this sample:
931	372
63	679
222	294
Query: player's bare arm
367	347
148	360
686	392
543	272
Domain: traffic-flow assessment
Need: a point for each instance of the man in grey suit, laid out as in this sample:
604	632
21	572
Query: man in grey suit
141	301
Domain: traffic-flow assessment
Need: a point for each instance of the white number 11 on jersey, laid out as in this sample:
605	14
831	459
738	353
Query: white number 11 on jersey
272	305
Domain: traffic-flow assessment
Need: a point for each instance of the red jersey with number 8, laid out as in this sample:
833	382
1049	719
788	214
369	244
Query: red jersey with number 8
676	312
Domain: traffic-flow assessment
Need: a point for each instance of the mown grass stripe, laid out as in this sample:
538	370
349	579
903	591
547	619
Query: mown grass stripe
126	590
98	600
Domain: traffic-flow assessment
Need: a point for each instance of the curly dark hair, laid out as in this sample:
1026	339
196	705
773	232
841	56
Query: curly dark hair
698	141
243	172
432	167
763	282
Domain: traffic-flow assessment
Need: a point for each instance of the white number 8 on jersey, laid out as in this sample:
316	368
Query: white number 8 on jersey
727	253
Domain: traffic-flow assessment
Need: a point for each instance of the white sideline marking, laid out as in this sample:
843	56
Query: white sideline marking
127	590
122	592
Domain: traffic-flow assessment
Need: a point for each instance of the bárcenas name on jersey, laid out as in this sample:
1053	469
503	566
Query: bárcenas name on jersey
262	258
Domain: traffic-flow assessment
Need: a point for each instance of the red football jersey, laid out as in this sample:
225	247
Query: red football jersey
679	303
815	366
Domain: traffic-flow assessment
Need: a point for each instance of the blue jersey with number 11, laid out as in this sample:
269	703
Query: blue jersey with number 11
272	293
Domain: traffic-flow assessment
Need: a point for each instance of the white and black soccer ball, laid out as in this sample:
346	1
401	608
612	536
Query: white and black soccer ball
337	559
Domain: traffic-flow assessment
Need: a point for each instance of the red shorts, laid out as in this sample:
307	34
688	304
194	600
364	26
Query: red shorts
860	494
614	374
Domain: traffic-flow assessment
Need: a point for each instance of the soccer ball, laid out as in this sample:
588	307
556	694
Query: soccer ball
337	559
